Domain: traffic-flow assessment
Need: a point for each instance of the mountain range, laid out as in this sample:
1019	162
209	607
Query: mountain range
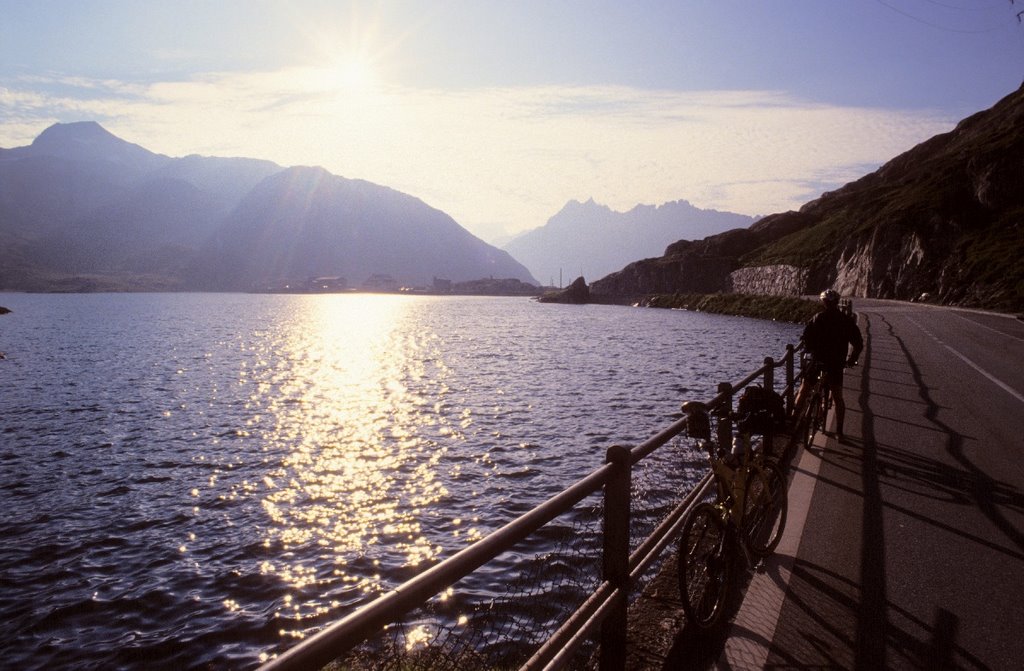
593	240
943	221
81	209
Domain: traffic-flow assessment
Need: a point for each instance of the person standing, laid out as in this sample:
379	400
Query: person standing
3	311
828	337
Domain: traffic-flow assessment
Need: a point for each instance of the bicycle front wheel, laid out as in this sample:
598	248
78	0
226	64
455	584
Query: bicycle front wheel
813	416
704	565
766	505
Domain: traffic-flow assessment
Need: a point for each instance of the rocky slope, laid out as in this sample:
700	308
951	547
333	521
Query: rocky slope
945	218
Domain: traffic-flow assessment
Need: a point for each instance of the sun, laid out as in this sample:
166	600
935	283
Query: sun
343	77
354	75
349	59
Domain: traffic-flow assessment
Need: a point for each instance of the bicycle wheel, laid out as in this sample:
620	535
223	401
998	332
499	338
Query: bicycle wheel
811	416
704	565
766	505
825	404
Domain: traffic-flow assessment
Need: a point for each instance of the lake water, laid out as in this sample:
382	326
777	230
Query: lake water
193	480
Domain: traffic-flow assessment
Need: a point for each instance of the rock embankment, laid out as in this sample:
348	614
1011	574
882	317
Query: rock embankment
772	280
775	308
576	293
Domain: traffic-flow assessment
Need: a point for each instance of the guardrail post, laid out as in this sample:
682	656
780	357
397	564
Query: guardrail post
769	374
790	381
725	416
615	564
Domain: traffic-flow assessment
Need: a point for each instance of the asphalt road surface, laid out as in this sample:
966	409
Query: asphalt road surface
905	547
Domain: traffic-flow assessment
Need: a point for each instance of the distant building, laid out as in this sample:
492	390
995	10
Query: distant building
442	286
328	284
378	282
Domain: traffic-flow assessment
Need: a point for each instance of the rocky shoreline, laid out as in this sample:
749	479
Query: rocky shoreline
775	308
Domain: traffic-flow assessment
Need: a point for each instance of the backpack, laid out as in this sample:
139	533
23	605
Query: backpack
761	410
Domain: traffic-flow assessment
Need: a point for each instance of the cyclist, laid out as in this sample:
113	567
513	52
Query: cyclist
828	337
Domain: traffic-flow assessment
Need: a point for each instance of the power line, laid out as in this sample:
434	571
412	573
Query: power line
974	8
922	21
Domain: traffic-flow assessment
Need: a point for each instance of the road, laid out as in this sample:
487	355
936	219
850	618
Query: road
905	548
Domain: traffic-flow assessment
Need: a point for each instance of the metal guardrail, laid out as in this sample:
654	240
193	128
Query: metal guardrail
605	611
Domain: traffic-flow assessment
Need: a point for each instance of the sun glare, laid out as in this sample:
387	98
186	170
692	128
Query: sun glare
354	75
343	78
348	58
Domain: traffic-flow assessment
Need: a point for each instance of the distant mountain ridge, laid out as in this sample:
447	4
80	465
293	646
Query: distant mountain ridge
81	209
593	240
944	220
87	141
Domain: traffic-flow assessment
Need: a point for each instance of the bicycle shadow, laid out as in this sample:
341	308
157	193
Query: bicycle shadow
696	648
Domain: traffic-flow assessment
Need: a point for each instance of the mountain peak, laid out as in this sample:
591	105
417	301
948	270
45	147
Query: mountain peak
575	206
88	140
90	210
77	131
600	240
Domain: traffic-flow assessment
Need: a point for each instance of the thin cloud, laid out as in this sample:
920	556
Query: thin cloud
499	160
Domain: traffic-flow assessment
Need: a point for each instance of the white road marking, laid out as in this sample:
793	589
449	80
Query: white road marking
987	328
1002	385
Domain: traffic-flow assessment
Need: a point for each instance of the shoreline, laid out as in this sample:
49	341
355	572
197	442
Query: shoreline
791	309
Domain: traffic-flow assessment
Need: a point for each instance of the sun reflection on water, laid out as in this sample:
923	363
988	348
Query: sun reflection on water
355	423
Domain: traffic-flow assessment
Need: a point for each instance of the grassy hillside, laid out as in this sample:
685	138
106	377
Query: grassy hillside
946	217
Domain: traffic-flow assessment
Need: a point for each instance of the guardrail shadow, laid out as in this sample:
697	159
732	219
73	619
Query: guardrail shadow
881	464
823	596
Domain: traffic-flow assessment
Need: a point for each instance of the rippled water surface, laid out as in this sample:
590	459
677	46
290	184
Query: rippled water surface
197	480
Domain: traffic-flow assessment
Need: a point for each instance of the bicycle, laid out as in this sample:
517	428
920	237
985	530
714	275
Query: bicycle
815	414
819	403
747	517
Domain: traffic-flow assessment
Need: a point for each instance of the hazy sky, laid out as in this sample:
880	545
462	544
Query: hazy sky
499	112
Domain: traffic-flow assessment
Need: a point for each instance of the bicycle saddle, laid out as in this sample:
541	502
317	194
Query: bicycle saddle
691	407
698	421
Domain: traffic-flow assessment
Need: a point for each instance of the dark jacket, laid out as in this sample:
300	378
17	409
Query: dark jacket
828	336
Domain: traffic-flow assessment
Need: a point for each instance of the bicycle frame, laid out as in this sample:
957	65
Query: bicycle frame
713	531
731	476
818	405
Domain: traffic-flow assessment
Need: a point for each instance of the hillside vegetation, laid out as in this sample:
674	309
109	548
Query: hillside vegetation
945	219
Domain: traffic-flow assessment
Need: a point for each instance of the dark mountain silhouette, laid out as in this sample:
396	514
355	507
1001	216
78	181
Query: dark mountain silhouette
304	222
89	142
594	240
944	219
226	180
81	209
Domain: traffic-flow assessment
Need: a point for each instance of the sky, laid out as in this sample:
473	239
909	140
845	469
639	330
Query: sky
499	113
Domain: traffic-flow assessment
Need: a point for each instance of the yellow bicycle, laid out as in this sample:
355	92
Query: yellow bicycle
747	517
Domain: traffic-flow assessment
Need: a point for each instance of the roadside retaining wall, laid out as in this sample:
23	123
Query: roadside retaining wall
776	280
